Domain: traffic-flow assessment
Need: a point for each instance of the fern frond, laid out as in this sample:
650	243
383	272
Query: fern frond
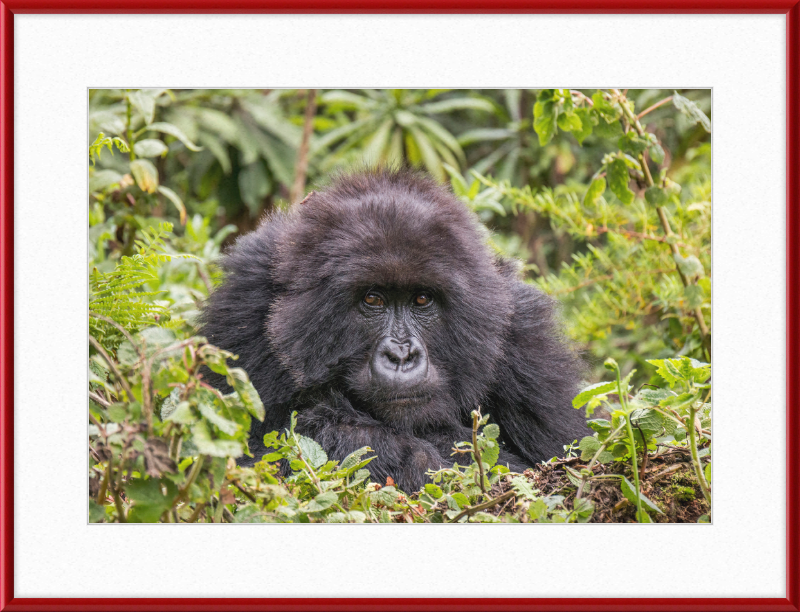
106	141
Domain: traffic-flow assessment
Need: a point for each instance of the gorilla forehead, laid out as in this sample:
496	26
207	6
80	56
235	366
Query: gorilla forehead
384	231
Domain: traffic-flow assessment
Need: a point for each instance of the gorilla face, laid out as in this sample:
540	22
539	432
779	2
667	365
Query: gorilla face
396	377
376	311
392	299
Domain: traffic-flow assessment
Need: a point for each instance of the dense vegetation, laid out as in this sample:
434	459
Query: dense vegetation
604	195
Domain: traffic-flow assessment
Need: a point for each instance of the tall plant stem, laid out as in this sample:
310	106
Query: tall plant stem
698	468
705	334
623	400
654	107
129	130
301	168
476	416
635	464
584	479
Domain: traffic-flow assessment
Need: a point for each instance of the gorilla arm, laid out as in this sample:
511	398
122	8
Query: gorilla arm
531	399
340	429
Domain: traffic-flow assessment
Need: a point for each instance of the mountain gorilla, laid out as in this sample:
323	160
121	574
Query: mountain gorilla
375	310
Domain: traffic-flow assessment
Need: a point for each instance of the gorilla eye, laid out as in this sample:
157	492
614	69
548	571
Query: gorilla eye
372	299
422	299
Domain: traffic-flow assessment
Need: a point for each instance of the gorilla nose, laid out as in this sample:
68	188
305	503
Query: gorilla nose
400	361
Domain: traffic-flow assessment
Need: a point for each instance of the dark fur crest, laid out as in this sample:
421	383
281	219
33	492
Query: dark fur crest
288	308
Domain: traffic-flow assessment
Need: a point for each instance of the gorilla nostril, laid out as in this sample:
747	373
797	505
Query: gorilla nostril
400	361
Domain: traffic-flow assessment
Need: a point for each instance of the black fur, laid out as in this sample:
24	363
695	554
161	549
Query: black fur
292	306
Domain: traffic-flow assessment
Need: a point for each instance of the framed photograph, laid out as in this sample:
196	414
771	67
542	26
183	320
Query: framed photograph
55	60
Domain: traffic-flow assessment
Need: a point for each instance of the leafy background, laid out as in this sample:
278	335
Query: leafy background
604	195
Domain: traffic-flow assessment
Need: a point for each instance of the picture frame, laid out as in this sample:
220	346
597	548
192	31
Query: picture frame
9	600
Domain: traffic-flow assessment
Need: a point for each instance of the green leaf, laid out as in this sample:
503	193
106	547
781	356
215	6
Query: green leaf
589	445
584	508
691	110
117	413
632	143
182	413
538	510
490	452
653	396
618	179
353	516
655	196
145	174
545	116
484	134
610	111
313	452
323	501
254	186
591	391
384	495
219	150
145	102
460	499
483	517
650	421
604	129
629	491
523	488
434	491
238	379
103	179
573	476
172	130
97	513
690	266
596	189
149	502
149	147
666	370
446	106
693	295
375	148
176	201
492	431
588	121
570	122
219	123
656	153
223	424
206	445
599	425
352	461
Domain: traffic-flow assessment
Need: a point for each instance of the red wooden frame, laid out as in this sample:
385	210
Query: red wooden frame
790	8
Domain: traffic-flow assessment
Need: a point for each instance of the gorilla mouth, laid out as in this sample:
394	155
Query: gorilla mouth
408	400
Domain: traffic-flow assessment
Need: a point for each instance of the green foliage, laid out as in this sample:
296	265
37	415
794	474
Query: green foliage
636	282
160	438
675	414
117	295
105	141
691	110
397	125
609	214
